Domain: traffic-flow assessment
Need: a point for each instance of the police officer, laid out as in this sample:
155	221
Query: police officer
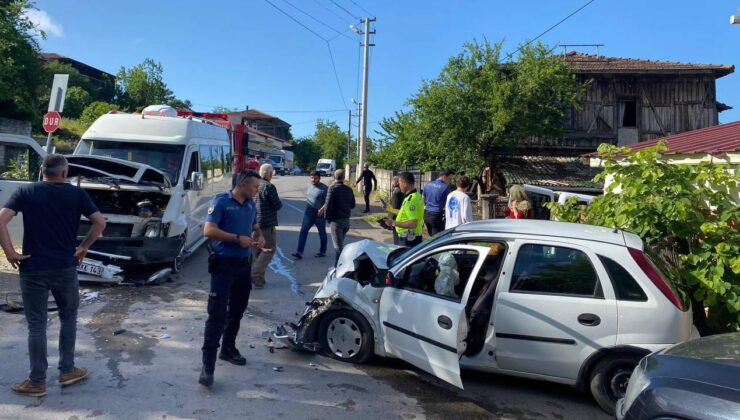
410	220
232	228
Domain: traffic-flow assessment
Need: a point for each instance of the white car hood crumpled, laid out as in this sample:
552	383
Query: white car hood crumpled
376	251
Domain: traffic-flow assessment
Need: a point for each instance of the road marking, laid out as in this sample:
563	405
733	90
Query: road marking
294	208
278	267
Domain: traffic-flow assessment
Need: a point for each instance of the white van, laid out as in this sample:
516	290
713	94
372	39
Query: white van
326	167
152	177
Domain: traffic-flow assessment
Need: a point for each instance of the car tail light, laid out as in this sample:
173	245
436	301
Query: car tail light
658	279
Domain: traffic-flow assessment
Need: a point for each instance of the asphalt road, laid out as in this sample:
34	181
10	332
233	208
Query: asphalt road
149	368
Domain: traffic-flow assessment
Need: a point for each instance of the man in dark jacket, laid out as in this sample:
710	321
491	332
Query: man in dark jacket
369	183
268	204
340	200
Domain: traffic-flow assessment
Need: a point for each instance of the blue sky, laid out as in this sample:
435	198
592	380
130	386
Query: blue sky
237	53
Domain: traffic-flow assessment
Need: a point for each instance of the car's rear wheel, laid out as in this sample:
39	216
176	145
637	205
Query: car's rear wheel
609	380
346	335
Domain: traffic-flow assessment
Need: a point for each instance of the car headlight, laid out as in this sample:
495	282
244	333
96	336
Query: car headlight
637	383
156	230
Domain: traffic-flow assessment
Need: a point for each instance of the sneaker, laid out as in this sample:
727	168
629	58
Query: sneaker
320	255
232	356
297	255
29	388
71	378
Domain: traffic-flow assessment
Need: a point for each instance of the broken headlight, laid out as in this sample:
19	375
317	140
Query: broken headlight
156	230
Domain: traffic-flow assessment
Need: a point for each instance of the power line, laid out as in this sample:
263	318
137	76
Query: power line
296	20
362	8
317	20
332	12
336	75
345	10
548	29
328	45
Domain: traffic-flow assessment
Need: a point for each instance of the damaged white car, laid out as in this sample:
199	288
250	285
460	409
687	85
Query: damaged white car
152	177
568	303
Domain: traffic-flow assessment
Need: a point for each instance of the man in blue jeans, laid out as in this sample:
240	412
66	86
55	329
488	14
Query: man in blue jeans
315	197
232	228
51	217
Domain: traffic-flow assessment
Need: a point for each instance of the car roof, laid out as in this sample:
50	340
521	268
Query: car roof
550	229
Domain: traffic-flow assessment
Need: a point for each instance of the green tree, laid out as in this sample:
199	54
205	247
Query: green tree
98	90
687	212
20	69
93	111
479	105
76	100
183	104
142	85
332	140
306	153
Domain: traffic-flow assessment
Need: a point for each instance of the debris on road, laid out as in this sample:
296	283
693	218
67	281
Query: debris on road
119	331
164	336
90	296
278	368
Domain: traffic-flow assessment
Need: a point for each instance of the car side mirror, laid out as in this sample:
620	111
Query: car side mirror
390	279
197	181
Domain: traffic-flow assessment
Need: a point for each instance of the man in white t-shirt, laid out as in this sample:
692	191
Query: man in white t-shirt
457	208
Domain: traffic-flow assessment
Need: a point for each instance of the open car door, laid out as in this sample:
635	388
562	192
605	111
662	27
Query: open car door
423	317
20	164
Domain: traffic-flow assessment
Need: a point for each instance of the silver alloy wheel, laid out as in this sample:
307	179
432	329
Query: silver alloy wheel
344	337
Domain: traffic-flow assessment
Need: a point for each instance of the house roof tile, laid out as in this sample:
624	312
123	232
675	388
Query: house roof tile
588	63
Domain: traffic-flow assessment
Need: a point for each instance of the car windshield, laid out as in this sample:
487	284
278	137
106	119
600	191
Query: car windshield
323	166
400	254
165	157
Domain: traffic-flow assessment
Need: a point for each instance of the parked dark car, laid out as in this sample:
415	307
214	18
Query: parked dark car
698	379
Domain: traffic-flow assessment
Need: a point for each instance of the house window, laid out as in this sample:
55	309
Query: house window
629	114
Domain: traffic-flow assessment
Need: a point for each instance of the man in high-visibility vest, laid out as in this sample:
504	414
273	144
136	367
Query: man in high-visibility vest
410	220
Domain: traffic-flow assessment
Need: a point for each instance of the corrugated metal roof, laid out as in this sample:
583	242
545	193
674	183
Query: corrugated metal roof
588	63
718	139
558	172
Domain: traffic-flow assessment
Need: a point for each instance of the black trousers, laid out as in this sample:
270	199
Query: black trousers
434	221
367	190
230	286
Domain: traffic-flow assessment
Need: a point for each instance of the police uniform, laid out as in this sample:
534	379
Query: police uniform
412	208
231	283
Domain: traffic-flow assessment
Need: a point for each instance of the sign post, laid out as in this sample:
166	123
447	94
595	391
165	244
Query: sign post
56	105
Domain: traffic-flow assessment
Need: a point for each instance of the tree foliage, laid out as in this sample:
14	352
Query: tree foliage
93	111
479	104
328	142
306	153
20	69
690	211
142	85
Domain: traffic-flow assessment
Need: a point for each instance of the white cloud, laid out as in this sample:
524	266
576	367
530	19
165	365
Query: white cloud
43	22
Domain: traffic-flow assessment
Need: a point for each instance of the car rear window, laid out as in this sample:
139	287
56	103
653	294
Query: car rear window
625	286
554	270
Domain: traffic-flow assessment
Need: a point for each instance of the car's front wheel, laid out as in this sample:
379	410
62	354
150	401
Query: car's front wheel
346	335
609	380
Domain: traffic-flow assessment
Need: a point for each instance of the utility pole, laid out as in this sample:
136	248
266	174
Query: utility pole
349	136
363	110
